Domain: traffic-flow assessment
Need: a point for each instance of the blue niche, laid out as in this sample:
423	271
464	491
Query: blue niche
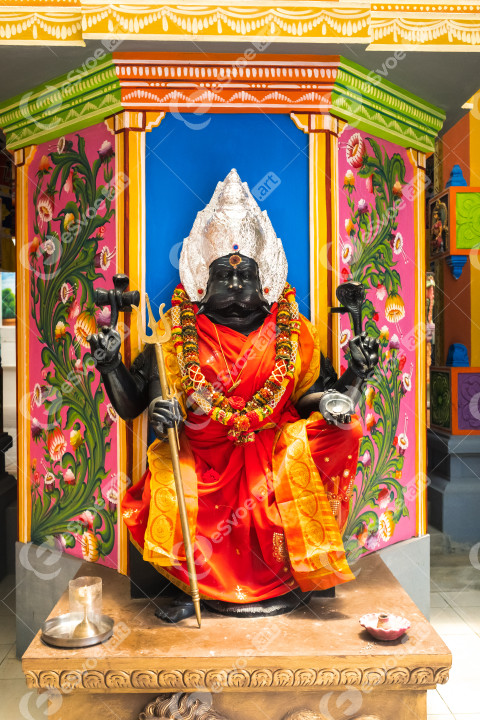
187	154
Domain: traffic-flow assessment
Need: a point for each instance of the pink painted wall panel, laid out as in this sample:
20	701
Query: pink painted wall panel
377	248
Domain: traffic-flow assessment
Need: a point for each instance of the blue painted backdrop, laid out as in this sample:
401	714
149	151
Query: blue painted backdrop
185	158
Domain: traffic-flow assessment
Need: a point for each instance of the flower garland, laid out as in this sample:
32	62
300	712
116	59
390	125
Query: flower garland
241	416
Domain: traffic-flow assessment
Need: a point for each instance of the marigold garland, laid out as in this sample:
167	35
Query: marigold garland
242	417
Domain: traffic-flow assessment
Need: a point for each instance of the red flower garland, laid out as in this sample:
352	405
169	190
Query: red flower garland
241	416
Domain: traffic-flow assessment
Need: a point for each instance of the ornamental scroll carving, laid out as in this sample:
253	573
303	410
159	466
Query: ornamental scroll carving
165	680
183	706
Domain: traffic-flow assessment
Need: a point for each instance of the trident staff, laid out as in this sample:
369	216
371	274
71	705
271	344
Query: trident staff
158	340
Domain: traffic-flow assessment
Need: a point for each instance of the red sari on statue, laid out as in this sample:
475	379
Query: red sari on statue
266	516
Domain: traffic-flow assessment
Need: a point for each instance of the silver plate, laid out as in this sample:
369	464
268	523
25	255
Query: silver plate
58	631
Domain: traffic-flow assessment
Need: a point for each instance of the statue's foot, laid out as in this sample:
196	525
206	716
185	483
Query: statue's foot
263	608
178	609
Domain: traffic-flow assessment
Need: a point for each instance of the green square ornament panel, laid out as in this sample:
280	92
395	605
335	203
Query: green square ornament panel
467	206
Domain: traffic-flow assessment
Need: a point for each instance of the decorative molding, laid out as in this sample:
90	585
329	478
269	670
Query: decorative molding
68	103
215	678
216	83
406	25
374	105
186	706
179	706
144	86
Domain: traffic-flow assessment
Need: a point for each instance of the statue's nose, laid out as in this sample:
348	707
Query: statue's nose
235	283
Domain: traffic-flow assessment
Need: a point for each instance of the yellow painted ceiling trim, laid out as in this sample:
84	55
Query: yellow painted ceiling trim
421	26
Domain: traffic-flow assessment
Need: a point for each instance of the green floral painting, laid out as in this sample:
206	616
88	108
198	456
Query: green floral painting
73	431
377	249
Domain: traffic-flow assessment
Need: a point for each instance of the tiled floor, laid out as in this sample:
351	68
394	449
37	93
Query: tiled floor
455	601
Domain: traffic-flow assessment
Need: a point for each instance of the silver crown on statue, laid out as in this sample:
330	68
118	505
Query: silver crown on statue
232	222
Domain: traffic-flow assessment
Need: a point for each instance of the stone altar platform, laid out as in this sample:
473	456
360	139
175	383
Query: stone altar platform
313	664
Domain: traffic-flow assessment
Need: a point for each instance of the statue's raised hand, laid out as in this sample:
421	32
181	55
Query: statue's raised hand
163	414
364	355
105	347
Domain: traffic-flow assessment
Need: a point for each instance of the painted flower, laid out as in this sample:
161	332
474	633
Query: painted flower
369	183
370	394
68	185
45	208
65	291
349	226
394	343
106	151
349	179
100	231
398	475
35	244
406	385
112	499
76	439
68	220
61	144
347	253
362	535
375	316
69	477
370	422
79	365
362	206
345	273
111	416
383	498
395	441
38	394
87	518
103	258
60	330
397	243
85	325
355	150
104	317
73	311
345	336
48	246
44	165
49	481
384	334
36	479
381	291
401	362
366	459
56	444
36	428
89	544
397	189
372	542
402	443
386	525
60	543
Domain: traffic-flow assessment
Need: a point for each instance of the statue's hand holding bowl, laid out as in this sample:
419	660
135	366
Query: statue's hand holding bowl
105	347
336	408
164	414
364	355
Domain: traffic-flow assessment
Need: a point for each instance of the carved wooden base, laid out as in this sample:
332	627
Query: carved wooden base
315	664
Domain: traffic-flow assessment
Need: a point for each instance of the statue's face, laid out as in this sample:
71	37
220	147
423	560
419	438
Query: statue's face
234	294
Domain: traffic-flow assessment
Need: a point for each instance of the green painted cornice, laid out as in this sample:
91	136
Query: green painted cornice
367	101
80	98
